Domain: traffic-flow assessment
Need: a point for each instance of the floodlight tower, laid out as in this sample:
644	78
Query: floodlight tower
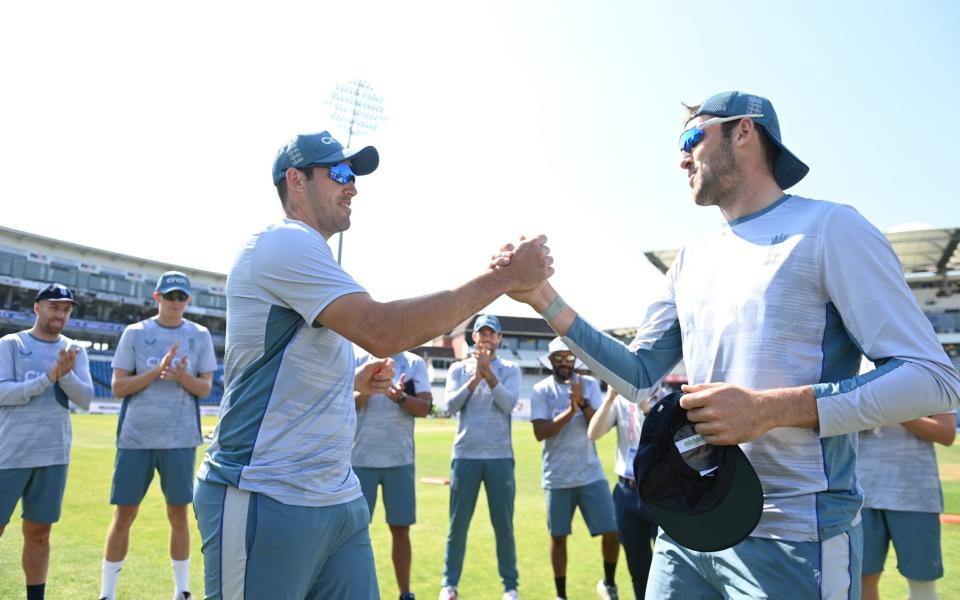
357	109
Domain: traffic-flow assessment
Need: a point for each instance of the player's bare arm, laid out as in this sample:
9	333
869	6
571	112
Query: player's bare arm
385	328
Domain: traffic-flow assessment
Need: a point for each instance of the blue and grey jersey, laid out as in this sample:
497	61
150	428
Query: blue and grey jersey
570	456
483	430
287	418
384	435
34	413
898	471
163	415
790	296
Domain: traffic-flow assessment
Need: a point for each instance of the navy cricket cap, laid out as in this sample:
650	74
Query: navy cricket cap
55	292
707	498
322	150
487	321
173	280
788	170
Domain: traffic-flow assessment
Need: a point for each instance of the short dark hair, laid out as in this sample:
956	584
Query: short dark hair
282	186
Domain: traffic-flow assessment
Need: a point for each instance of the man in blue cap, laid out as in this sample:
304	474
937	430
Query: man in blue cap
281	512
41	370
770	315
482	389
161	368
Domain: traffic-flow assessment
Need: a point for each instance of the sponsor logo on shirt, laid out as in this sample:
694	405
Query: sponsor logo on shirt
778	239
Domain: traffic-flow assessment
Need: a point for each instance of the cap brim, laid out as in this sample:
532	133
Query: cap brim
363	161
727	524
173	288
788	170
60	300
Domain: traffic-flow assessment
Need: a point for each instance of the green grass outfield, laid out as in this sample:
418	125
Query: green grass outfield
78	537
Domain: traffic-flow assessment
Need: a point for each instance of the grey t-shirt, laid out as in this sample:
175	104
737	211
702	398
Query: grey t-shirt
164	414
483	430
898	471
384	435
34	417
569	457
287	419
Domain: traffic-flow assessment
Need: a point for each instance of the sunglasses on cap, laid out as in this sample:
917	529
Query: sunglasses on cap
691	137
178	295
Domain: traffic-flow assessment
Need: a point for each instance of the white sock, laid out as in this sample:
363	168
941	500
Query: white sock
922	590
181	576
108	581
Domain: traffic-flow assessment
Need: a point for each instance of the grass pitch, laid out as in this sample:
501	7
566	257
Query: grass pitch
77	540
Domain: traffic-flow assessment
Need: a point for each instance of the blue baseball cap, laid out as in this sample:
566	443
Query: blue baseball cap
322	150
788	170
707	498
55	292
487	321
173	280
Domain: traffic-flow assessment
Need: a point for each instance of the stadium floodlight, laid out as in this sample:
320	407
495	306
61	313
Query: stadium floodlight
357	109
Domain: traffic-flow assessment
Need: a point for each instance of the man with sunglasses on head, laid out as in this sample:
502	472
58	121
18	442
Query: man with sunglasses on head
561	407
770	315
161	369
482	390
281	512
41	371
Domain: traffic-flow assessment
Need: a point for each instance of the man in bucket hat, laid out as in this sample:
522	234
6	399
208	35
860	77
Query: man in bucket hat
561	407
770	315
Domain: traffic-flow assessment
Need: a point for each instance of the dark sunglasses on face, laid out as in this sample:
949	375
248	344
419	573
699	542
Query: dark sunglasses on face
177	295
563	360
693	136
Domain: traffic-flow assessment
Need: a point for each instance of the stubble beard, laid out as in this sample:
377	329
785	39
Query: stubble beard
720	185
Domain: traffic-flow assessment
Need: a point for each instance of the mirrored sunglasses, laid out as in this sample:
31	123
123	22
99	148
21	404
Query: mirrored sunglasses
693	136
563	360
342	173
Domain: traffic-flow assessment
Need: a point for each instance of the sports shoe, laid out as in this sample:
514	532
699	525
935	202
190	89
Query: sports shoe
607	592
448	592
408	596
510	595
182	596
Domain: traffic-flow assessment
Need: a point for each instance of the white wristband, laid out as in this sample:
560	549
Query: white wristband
551	311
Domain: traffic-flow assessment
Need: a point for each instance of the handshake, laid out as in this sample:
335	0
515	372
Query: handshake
524	268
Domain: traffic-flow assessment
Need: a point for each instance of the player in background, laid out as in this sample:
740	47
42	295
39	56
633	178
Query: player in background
41	371
161	369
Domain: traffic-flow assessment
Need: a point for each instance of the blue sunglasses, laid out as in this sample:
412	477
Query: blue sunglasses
342	174
691	137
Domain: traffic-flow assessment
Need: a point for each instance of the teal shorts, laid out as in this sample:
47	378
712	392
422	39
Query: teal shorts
594	501
41	489
133	472
255	548
915	537
759	568
399	492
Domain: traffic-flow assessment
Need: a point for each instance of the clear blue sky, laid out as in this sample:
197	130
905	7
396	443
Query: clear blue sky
150	130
